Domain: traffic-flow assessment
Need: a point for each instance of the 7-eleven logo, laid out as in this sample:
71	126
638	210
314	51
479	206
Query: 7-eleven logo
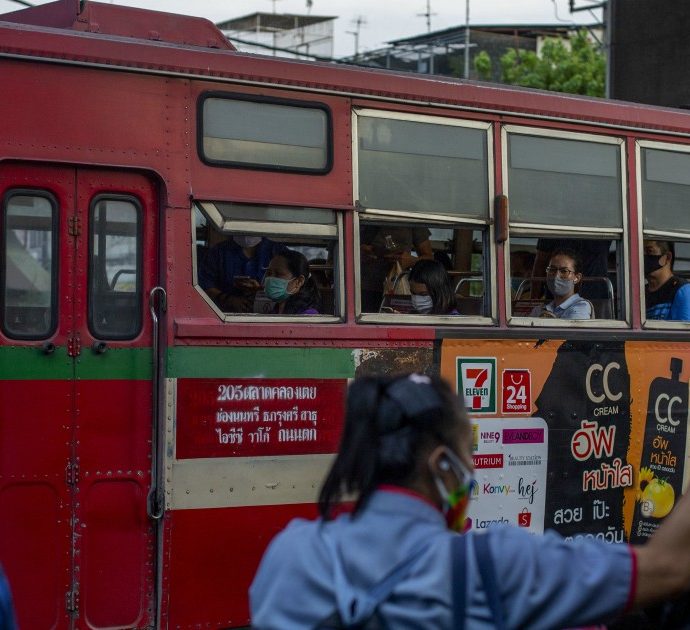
477	383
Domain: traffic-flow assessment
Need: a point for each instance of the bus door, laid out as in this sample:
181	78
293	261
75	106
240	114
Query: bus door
76	406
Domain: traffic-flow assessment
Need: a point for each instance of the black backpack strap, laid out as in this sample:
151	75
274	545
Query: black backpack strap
458	558
488	575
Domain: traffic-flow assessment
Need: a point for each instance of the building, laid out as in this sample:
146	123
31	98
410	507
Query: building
287	35
443	52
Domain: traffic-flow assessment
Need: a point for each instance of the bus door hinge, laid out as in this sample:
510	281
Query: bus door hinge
74	344
72	473
74	226
72	601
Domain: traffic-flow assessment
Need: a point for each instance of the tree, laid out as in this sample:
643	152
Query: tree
577	68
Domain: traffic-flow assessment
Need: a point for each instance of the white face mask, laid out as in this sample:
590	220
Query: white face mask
560	286
422	303
247	241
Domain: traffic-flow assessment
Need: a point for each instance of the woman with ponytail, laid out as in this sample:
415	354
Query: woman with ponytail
396	560
290	285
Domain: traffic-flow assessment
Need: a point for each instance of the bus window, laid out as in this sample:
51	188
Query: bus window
423	185
395	260
566	218
272	134
115	283
269	261
29	270
665	183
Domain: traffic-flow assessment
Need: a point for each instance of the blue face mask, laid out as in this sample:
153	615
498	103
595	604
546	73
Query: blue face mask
276	288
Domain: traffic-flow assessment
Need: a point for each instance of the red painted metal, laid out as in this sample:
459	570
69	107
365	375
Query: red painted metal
247	417
108	19
213	555
75	538
634	231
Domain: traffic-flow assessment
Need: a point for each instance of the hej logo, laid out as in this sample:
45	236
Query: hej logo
476	382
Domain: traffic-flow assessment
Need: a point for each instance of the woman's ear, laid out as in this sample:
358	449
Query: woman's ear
578	278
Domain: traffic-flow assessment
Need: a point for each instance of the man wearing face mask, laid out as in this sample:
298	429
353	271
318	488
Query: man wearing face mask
666	295
233	270
563	275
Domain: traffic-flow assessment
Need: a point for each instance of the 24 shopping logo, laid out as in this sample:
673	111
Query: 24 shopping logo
476	382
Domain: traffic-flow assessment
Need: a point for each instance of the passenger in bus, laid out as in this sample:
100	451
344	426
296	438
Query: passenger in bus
395	559
385	250
666	295
290	285
232	271
563	274
521	265
430	288
594	256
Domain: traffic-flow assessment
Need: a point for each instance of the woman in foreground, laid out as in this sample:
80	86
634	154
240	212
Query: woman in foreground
396	561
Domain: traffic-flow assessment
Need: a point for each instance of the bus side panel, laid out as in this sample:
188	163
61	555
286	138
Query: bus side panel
213	558
35	502
117	538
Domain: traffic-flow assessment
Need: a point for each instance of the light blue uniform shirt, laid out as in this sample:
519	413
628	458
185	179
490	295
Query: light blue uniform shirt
314	567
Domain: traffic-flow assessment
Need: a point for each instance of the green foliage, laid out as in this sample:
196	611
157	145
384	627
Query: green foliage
577	69
483	65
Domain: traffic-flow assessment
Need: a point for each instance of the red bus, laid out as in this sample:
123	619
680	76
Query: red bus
160	422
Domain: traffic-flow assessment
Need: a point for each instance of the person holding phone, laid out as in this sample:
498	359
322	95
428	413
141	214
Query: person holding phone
233	270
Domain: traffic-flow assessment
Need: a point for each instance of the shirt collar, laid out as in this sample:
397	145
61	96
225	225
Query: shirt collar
575	297
399	500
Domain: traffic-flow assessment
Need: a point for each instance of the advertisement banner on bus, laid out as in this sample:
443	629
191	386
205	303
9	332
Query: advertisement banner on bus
616	416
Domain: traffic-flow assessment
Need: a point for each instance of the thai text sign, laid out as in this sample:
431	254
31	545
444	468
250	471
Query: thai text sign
247	417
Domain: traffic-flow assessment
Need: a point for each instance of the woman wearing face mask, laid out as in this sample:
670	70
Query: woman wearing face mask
431	290
405	459
290	285
563	276
232	271
396	561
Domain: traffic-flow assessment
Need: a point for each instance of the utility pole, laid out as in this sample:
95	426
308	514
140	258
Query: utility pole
427	15
467	39
359	21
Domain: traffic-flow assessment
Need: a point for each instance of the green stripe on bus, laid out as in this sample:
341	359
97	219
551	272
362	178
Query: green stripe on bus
116	363
260	362
31	363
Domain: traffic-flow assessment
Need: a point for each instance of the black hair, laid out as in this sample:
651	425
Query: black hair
391	423
572	254
667	247
432	274
308	296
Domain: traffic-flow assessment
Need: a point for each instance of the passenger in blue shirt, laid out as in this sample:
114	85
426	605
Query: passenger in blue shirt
666	295
563	275
232	272
7	618
405	460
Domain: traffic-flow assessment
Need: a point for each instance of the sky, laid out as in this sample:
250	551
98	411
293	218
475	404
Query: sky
385	20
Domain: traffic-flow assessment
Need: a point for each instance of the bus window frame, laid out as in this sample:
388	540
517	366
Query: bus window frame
381	216
55	262
269	100
426	219
642	234
334	231
621	235
140	281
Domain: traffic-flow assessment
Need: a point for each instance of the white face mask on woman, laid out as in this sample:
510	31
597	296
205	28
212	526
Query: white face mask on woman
422	303
560	286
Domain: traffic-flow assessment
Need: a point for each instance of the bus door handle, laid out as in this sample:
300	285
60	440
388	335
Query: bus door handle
154	505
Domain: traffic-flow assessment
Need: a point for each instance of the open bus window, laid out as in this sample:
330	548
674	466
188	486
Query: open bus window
261	260
665	183
536	263
567	189
29	275
115	283
412	268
